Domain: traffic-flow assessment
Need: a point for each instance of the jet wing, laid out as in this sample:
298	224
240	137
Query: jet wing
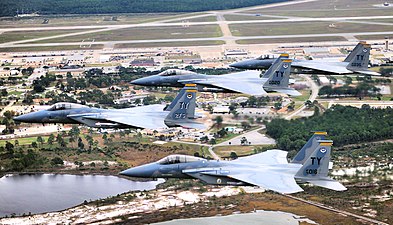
321	67
140	121
268	157
247	82
132	120
279	182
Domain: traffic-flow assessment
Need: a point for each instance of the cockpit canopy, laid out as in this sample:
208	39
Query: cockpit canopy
174	159
265	57
173	72
65	105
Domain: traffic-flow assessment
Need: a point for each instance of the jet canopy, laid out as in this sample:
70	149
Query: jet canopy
174	72
174	159
65	105
262	57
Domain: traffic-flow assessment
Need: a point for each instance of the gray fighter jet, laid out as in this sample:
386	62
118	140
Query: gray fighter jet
181	112
356	62
269	170
248	82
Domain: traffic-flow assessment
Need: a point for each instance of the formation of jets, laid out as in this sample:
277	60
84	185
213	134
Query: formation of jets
356	62
269	170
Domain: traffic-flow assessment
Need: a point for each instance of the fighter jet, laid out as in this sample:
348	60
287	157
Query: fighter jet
247	82
356	62
269	170
181	112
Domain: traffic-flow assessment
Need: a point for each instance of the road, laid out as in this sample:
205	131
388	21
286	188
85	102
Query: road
253	136
320	205
313	96
227	36
199	39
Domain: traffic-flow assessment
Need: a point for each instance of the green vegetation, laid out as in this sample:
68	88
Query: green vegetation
364	88
25	35
9	7
50	48
144	33
169	44
344	124
290	40
302	28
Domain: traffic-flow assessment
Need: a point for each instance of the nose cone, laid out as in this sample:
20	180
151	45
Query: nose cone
144	171
33	117
146	81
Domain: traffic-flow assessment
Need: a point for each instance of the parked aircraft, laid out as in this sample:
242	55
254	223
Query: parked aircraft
248	82
356	62
181	112
269	170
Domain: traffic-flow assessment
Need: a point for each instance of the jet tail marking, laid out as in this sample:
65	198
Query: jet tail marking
278	76
316	167
182	109
309	147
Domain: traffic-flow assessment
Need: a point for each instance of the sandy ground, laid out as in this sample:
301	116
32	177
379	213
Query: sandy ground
150	202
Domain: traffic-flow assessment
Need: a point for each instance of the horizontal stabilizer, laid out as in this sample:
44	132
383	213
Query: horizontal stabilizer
367	72
288	91
192	125
330	184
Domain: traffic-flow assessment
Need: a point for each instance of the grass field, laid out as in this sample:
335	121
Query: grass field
25	35
22	141
145	33
303	28
373	37
169	44
233	17
199	19
85	20
330	13
48	48
327	8
290	40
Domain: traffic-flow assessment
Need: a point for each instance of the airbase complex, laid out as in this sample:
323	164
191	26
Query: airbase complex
267	112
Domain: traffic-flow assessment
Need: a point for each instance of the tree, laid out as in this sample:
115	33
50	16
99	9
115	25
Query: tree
245	125
233	155
40	140
57	161
218	121
51	139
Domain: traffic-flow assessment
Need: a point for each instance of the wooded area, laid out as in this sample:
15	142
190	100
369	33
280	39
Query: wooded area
45	7
344	124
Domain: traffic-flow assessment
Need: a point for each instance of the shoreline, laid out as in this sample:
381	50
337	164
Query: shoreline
74	172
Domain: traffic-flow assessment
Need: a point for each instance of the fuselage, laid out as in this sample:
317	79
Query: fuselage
209	171
205	83
298	66
92	117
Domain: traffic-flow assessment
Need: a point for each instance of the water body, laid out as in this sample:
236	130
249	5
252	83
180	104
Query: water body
259	217
40	193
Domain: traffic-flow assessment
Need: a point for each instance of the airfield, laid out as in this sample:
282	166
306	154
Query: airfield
322	28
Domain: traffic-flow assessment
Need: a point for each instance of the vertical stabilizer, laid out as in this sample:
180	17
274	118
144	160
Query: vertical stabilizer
315	169
309	147
182	109
278	77
359	58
